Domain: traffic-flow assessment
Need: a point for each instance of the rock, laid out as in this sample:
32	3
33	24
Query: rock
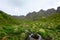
32	38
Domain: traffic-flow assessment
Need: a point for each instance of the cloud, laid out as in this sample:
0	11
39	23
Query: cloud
22	7
16	2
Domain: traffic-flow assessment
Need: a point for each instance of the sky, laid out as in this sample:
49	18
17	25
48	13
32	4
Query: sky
23	7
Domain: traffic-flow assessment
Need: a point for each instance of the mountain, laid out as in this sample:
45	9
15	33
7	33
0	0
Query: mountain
43	13
6	19
45	22
58	9
19	17
40	14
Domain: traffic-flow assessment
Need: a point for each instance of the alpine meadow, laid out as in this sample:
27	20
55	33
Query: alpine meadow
45	22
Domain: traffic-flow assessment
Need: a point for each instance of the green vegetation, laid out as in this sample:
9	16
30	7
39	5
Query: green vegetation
14	29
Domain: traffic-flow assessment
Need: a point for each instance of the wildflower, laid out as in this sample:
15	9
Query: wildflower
42	30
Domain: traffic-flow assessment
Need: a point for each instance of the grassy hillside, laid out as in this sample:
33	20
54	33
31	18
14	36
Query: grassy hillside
7	23
6	19
48	28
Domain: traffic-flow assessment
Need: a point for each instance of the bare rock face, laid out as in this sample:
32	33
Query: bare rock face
58	9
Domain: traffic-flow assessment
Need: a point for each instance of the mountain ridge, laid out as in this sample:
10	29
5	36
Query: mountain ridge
42	13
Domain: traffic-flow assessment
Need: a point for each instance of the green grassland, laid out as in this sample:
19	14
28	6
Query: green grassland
13	29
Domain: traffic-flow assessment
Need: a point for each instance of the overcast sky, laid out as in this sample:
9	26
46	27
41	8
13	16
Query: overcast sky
22	7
